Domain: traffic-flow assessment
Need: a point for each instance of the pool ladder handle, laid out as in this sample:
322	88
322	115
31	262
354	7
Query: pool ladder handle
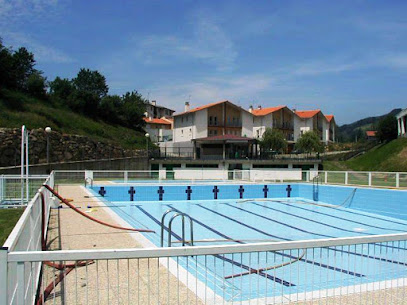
89	180
177	214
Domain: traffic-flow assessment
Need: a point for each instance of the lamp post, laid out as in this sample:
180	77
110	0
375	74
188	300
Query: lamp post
147	136
47	132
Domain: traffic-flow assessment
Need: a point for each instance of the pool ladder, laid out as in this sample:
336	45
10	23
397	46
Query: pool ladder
315	188
183	216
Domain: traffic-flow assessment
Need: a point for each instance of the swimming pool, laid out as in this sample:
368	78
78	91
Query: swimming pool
248	213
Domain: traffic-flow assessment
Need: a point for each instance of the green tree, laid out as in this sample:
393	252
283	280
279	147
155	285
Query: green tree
61	88
6	66
133	110
273	139
110	108
37	85
309	142
387	129
22	67
91	82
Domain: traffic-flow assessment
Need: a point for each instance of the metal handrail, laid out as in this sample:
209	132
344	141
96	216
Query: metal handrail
183	215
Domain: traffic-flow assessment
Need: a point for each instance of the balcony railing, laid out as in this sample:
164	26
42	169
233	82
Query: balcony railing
187	153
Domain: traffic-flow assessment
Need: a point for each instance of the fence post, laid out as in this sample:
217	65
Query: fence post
326	177
20	283
126	176
3	275
397	179
346	178
370	178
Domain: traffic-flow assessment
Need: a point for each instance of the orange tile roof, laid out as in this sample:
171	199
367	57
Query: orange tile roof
329	117
371	133
307	114
265	111
200	108
157	121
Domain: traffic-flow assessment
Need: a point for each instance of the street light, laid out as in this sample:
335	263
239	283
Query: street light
147	136
47	132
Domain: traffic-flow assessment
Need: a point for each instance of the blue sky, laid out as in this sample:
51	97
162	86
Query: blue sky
348	58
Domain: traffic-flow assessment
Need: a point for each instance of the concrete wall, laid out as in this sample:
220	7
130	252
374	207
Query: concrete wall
133	163
270	174
201	124
247	124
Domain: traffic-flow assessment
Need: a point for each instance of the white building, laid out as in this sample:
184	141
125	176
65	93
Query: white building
156	112
311	120
401	123
160	130
331	130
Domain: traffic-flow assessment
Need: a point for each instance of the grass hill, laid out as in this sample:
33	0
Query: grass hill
18	109
348	132
387	157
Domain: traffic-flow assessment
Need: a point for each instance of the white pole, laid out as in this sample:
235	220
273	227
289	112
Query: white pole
397	179
3	275
27	188
22	163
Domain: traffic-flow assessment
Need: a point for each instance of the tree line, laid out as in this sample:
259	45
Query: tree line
87	93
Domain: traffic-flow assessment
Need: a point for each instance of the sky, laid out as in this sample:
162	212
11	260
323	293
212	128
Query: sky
348	58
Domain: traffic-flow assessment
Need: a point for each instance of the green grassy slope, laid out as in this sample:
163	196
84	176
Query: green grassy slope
38	114
8	219
388	157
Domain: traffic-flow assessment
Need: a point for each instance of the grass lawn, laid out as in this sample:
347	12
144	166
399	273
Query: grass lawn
8	219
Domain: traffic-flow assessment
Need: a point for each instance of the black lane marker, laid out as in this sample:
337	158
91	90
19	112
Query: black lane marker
279	222
338	217
267	234
245	267
369	216
309	219
333	249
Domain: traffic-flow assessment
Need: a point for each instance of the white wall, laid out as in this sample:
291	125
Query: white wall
183	128
303	125
201	124
247	124
261	123
199	174
280	174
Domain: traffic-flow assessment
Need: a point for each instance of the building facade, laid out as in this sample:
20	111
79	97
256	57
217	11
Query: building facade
157	112
401	123
311	120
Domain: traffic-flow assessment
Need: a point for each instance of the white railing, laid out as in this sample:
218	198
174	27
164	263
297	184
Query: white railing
11	192
341	269
380	179
27	235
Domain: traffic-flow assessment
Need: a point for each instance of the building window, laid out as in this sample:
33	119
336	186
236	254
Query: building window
215	121
215	132
210	120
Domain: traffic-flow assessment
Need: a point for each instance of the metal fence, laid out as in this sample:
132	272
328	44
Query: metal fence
356	270
14	190
353	270
373	179
27	235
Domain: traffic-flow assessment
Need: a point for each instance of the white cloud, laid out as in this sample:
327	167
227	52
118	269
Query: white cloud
242	90
208	43
42	52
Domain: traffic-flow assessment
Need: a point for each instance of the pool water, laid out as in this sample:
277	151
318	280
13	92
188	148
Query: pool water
277	212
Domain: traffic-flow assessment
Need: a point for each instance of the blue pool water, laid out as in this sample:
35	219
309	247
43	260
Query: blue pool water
279	212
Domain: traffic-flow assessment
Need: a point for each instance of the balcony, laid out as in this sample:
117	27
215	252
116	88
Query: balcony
283	125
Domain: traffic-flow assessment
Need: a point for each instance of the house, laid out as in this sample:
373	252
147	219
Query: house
311	120
371	135
157	112
331	130
220	129
280	118
222	135
159	130
401	123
